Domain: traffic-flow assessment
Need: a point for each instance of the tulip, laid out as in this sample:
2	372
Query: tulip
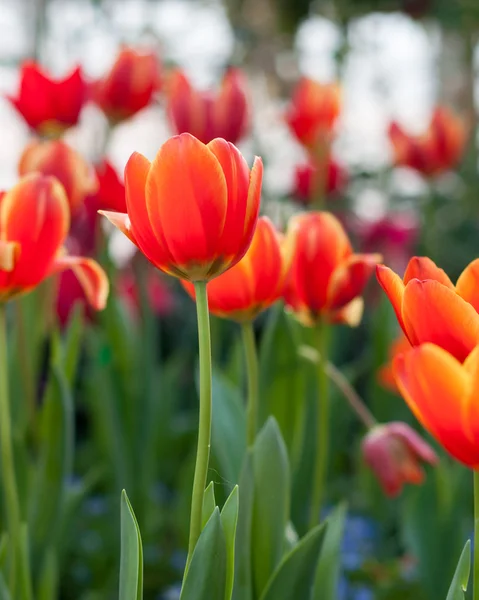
58	159
255	282
386	373
34	223
438	149
313	112
326	278
442	394
395	452
208	115
49	106
311	180
429	308
193	210
130	85
160	295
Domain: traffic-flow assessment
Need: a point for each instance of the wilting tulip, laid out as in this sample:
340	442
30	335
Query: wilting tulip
49	106
430	308
310	181
326	278
34	223
313	112
208	115
253	284
129	86
442	394
395	453
193	210
56	158
386	374
438	149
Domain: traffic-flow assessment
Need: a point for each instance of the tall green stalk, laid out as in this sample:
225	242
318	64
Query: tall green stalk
475	583
253	381
9	483
322	429
204	429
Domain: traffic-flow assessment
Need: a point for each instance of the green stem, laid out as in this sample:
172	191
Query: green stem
204	429
6	450
475	584
26	360
322	430
252	375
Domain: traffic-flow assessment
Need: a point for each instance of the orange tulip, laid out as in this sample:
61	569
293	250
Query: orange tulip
193	210
130	85
386	374
438	149
253	284
442	394
430	308
34	223
56	158
313	111
49	106
207	115
326	278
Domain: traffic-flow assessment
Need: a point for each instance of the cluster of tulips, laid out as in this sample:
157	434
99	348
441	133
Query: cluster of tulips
193	212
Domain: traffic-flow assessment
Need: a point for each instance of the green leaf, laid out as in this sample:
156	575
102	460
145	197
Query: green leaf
131	565
4	593
328	568
209	504
49	578
229	521
206	577
243	589
461	576
72	343
24	570
228	427
271	503
295	574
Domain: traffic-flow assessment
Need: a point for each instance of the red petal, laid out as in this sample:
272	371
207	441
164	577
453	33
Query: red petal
91	276
350	278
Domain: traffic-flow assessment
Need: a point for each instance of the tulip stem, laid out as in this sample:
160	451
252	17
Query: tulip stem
204	428
475	583
252	375
9	483
322	430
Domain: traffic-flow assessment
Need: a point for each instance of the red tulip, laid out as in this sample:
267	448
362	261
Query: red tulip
326	278
437	150
311	180
395	452
56	158
129	86
193	211
208	115
255	282
313	112
49	106
31	248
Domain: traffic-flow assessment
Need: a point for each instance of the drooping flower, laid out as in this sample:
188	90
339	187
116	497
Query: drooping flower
193	210
206	114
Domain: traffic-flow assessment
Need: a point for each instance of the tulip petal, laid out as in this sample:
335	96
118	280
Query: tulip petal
350	278
9	253
90	275
467	285
435	385
422	267
121	221
351	314
471	415
433	313
393	285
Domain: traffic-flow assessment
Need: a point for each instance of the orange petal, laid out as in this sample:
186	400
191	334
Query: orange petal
121	221
9	253
393	285
90	275
435	386
422	267
467	285
350	278
434	313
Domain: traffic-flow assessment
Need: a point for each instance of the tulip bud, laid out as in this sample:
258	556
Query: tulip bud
394	452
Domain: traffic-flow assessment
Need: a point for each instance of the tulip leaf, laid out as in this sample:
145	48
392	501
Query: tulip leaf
209	504
206	577
328	568
131	564
295	574
243	589
4	593
461	576
271	503
229	521
49	577
72	343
